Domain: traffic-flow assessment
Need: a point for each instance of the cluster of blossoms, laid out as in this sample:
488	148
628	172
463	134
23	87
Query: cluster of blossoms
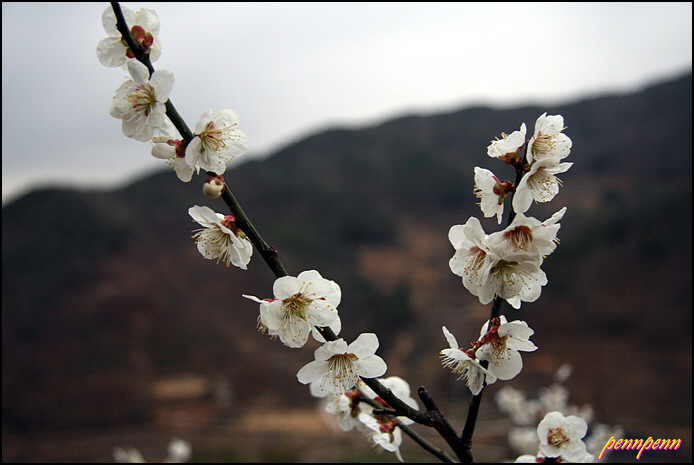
301	305
506	264
306	302
502	265
354	409
141	104
552	410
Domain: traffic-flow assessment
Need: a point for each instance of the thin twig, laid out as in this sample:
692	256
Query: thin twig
426	445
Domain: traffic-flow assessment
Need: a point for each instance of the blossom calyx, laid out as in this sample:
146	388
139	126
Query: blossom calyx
491	192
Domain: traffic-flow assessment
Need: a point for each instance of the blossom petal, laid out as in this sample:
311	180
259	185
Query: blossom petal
204	216
294	332
364	346
371	367
312	371
450	338
286	286
110	52
162	81
138	71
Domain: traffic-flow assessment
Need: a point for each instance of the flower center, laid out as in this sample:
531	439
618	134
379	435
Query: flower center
543	144
143	99
295	306
475	261
341	366
506	275
556	437
544	183
504	269
521	237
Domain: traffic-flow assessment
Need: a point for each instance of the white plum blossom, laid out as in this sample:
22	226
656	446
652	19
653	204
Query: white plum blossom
400	388
217	141
501	345
523	439
548	141
346	406
338	366
527	234
540	183
353	412
521	410
140	102
300	303
464	363
508	146
514	276
144	28
564	371
472	259
528	458
127	455
178	451
562	436
491	192
384	432
383	429
220	238
167	146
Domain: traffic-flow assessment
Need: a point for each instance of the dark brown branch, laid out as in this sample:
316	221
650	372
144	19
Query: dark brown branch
268	253
441	425
426	445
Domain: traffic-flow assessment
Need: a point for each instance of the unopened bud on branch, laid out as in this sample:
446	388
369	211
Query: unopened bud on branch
213	187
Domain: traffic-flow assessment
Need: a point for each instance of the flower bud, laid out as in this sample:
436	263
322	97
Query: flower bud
213	187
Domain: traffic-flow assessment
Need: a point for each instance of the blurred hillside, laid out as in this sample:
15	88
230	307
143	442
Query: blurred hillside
110	316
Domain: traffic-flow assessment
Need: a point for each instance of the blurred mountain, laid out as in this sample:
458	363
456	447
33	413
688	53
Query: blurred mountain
104	294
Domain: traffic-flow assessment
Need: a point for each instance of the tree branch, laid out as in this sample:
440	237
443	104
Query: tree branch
433	417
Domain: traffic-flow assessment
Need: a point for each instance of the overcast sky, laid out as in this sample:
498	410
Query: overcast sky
292	69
